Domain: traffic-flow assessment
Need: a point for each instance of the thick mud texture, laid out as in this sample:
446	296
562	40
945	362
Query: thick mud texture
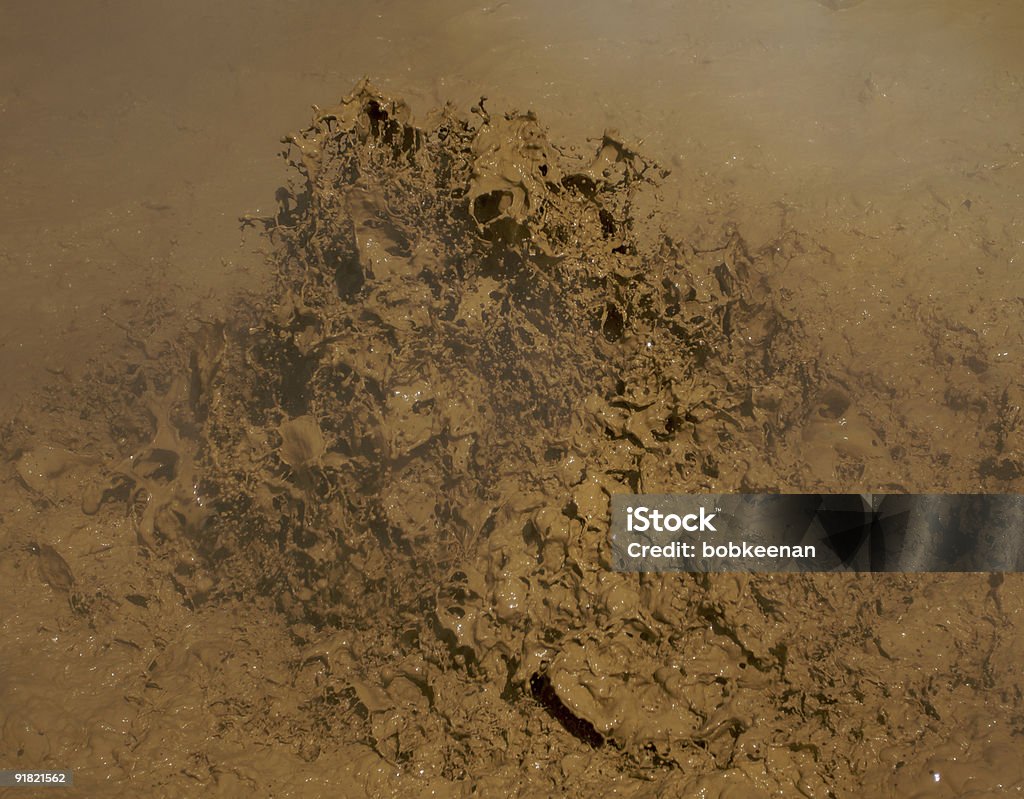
353	541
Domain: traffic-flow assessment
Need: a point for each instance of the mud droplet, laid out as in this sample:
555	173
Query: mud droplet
53	569
302	443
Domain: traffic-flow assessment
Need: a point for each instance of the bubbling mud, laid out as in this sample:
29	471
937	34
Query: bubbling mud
477	335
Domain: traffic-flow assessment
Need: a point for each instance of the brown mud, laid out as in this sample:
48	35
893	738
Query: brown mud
351	539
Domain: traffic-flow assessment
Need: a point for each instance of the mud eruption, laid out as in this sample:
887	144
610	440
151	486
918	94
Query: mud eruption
404	457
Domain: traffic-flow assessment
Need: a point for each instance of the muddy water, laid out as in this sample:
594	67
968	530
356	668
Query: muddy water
350	533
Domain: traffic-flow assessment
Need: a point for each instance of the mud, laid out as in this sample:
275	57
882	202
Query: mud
351	538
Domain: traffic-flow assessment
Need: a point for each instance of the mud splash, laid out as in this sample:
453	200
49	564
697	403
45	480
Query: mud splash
402	458
470	327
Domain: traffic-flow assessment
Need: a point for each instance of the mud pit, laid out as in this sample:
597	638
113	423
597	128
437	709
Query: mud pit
353	538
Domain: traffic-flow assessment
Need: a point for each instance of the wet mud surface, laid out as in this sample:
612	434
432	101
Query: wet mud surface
351	538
